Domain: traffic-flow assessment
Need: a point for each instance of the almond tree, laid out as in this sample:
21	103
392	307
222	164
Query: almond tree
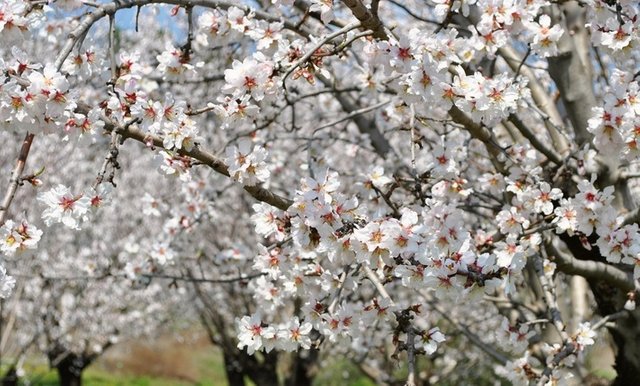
414	167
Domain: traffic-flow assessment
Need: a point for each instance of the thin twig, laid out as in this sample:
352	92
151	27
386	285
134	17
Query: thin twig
316	47
353	114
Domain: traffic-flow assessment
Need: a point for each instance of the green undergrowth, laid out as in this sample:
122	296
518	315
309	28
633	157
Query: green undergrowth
206	366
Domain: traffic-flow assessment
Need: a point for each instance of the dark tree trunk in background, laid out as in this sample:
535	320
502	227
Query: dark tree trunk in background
610	299
69	366
262	373
572	73
10	378
69	376
233	370
625	333
303	370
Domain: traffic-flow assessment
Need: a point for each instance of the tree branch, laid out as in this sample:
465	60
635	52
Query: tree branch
535	142
481	133
14	182
205	157
367	18
111	8
572	76
589	269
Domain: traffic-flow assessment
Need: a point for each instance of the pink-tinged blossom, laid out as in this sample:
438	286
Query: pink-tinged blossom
174	62
545	38
511	221
21	62
268	294
162	253
565	217
174	164
130	66
514	339
493	182
401	55
486	99
83	64
48	83
518	371
618	36
429	340
411	276
84	128
252	333
269	221
238	20
15	20
151	206
543	198
294	335
16	237
266	34
246	162
403	236
180	135
249	77
235	111
325	183
270	261
375	179
374	236
150	114
212	25
336	327
99	196
380	310
508	250
62	206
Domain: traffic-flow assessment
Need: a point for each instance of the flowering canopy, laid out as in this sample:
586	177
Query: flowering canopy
412	164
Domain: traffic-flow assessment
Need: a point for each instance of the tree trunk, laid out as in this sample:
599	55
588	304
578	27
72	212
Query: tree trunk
304	368
70	369
10	378
626	331
262	373
626	334
233	370
69	376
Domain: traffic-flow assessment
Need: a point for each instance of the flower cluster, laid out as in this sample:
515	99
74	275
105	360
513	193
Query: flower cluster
174	62
16	237
254	334
252	76
422	62
62	206
615	30
246	162
43	105
616	125
16	20
168	118
502	19
514	339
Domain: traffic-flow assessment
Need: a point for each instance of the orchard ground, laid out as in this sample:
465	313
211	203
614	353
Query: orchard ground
191	360
171	361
